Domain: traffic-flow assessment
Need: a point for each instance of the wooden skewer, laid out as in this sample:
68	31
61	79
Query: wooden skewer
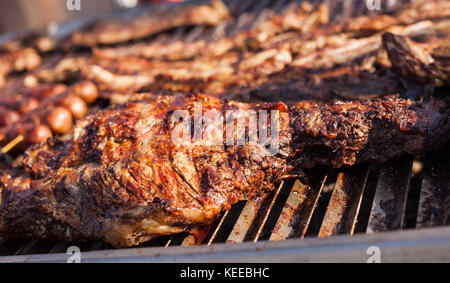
12	144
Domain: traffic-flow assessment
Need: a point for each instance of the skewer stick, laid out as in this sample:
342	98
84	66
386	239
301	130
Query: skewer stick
12	144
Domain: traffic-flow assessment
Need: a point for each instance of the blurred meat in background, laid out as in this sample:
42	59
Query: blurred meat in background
25	14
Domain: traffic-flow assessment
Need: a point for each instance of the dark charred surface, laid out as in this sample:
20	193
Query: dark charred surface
346	133
119	178
293	85
416	63
123	180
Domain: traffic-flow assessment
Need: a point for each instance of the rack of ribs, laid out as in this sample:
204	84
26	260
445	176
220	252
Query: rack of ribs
231	72
125	176
302	25
302	19
156	21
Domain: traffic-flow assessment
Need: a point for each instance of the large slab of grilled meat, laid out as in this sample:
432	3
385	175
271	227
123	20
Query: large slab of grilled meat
120	176
124	180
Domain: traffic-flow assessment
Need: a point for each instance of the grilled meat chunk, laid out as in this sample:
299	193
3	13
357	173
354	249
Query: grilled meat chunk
22	59
351	132
416	62
125	177
351	49
403	15
304	19
112	32
123	180
297	28
211	75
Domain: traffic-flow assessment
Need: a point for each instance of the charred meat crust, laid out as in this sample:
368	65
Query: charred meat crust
412	61
123	180
351	132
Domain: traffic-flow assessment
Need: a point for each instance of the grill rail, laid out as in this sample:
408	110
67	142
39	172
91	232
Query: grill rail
428	245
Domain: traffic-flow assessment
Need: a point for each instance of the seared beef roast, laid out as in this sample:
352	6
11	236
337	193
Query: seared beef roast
124	179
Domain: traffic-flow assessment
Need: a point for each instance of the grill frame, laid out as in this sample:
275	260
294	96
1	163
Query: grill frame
260	234
428	245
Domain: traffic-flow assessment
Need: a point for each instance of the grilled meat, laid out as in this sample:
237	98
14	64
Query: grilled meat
347	133
112	32
124	178
305	25
212	75
352	49
293	85
231	73
234	73
413	61
260	77
67	70
22	59
404	15
304	19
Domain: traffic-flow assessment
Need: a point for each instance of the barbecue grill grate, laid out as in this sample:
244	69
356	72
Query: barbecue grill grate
410	192
362	199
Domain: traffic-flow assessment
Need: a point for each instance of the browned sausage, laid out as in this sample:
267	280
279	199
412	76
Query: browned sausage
39	134
60	120
87	90
8	117
76	105
28	105
30	98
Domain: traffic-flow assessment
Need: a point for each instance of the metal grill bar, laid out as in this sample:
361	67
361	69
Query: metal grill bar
267	212
244	221
246	17
434	204
233	6
345	203
388	210
296	199
60	247
192	240
25	248
299	209
428	245
195	34
249	226
285	226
